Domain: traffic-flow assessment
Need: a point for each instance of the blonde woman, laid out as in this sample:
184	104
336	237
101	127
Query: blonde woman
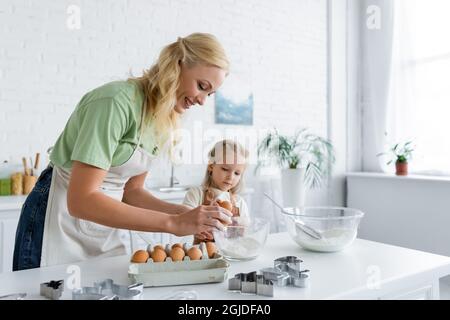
227	162
93	189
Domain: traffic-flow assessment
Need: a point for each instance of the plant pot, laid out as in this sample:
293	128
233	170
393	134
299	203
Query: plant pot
401	168
293	187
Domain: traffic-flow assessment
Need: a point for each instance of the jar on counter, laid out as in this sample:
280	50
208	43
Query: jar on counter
8	184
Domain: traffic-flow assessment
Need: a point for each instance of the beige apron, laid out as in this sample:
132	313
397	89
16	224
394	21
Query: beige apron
68	239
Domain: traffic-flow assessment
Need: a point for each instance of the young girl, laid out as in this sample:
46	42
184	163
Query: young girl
222	182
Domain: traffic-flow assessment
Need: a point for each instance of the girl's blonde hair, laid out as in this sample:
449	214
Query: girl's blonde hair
161	81
226	152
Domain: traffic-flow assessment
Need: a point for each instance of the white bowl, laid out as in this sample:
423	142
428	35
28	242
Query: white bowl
338	227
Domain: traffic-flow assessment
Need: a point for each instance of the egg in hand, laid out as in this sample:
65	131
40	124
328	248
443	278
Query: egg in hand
225	204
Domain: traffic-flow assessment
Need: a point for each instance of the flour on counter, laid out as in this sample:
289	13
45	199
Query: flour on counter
332	240
240	248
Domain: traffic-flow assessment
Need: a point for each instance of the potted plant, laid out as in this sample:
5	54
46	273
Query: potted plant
305	160
400	153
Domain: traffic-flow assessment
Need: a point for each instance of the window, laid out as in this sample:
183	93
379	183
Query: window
422	89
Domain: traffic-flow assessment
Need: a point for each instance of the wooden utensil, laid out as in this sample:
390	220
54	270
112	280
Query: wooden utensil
24	161
36	161
31	166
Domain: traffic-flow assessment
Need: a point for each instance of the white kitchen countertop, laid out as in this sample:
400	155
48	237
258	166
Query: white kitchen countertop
11	202
342	275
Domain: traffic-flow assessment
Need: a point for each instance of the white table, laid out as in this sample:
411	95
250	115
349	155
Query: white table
349	274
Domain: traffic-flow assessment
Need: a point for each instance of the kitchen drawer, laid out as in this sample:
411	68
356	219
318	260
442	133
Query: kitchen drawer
8	226
425	292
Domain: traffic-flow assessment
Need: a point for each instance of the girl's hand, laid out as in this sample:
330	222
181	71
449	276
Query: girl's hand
205	236
199	220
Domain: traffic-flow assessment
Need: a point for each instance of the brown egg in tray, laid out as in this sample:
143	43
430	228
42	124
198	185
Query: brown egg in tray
178	264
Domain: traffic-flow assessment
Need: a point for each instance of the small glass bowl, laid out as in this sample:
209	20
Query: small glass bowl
242	242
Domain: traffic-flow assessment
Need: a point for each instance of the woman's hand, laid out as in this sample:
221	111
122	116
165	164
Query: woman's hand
203	219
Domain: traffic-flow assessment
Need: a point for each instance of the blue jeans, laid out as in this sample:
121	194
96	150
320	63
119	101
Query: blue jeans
30	230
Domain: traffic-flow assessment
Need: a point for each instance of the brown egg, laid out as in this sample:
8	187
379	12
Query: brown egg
158	246
211	248
158	255
177	254
225	204
140	256
177	245
194	253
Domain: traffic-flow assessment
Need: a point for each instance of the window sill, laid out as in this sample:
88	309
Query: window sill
411	177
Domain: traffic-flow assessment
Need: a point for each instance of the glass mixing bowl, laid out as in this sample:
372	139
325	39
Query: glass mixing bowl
242	242
337	227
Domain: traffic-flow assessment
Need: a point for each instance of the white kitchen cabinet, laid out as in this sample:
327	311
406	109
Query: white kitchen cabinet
10	207
412	209
426	292
8	226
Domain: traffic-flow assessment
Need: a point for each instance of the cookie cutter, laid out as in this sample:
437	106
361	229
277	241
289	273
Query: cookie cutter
279	278
251	283
285	272
52	289
13	296
235	283
108	290
264	287
290	265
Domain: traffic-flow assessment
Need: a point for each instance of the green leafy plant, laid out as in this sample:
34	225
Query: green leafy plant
400	152
302	150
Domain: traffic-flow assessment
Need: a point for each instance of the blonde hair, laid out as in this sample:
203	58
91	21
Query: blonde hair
226	152
161	81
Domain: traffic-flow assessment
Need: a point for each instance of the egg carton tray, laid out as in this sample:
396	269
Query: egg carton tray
170	273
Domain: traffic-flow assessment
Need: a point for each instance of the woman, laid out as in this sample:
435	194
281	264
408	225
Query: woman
93	189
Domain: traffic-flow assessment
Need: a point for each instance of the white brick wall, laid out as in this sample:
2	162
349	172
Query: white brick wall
279	47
